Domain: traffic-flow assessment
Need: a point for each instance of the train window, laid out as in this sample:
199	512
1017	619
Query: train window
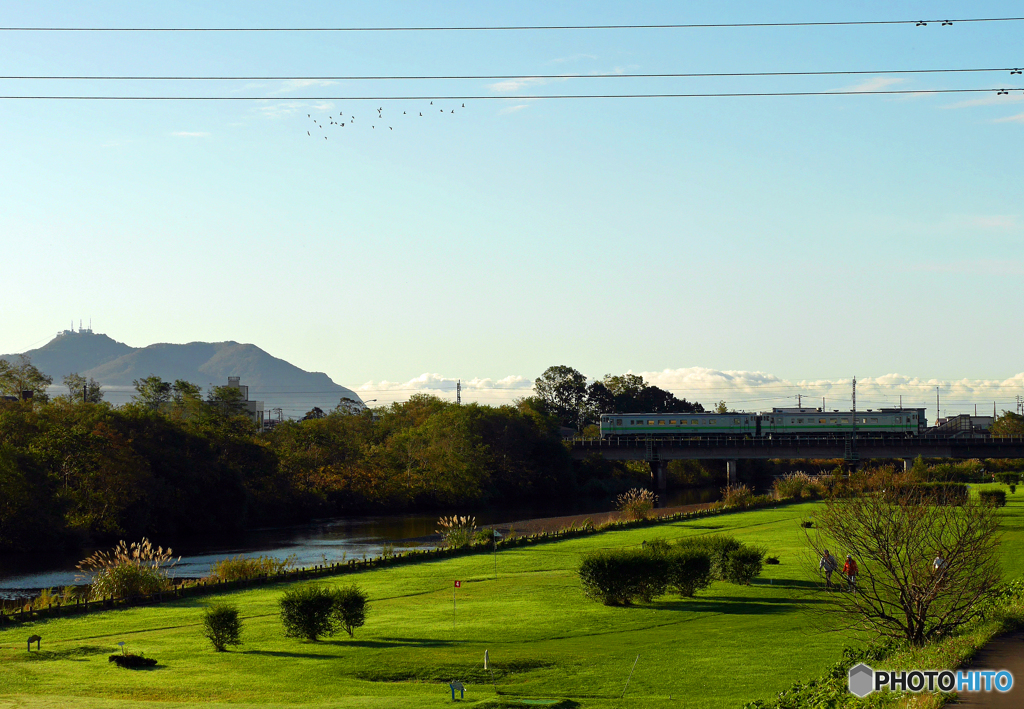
735	421
831	420
711	422
845	420
618	422
899	419
672	422
792	420
682	422
661	422
799	420
821	420
874	420
693	422
746	421
863	420
650	422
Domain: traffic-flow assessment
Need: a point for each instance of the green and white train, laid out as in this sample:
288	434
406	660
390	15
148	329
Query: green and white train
777	423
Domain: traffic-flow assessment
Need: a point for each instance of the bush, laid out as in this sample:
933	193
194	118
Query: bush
718	547
456	532
138	569
946	493
1013	489
308	612
771	560
222	626
618	577
689	571
996	498
796	486
239	567
744	564
350	607
637	503
130	661
1008	478
737	496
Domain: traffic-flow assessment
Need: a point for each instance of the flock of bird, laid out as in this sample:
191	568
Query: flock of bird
341	121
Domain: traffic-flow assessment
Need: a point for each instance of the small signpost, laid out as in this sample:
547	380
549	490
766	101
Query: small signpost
457	686
33	639
458	584
497	536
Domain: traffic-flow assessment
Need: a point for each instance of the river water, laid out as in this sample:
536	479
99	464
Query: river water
319	542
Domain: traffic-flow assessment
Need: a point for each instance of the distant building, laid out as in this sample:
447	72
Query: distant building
962	425
252	409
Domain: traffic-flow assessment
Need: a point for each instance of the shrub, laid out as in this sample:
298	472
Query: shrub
239	567
350	607
618	577
718	547
456	532
796	486
128	570
1013	489
637	503
307	611
771	560
945	493
744	564
1008	478
737	496
222	626
484	536
689	571
807	524
130	661
995	498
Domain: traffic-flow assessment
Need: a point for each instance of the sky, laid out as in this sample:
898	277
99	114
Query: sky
714	244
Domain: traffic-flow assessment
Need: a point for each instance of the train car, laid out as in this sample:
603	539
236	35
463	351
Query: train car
639	424
794	422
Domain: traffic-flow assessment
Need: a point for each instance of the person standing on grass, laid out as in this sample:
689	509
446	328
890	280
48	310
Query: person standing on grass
828	564
850	572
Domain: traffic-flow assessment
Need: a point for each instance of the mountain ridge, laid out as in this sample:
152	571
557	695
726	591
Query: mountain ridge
114	364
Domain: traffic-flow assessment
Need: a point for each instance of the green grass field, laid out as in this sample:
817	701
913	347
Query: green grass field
729	645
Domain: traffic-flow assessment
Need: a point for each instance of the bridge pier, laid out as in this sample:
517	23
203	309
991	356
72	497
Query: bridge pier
730	472
659	475
908	463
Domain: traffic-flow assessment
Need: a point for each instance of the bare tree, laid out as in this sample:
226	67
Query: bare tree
926	559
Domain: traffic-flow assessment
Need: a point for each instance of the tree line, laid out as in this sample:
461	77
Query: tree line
174	463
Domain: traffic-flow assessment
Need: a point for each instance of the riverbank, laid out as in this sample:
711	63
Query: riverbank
542	525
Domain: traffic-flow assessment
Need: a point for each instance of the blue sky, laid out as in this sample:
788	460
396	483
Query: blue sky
810	238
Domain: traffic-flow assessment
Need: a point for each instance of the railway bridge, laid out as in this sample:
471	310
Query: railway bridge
658	451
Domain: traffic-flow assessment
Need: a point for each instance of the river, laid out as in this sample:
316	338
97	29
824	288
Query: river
321	541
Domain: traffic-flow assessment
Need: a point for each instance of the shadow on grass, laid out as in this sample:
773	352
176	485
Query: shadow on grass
74	654
802	584
391	642
737	605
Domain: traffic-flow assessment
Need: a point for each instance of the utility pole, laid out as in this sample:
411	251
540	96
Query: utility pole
822	404
799	401
458	392
937	414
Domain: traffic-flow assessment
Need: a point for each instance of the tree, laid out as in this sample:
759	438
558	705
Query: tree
350	605
1009	424
721	407
23	376
152	392
184	393
227	400
895	535
222	626
315	413
564	390
82	389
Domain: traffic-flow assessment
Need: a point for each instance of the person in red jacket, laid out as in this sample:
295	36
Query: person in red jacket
850	572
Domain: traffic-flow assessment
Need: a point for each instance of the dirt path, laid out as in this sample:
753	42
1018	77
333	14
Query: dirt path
553	524
1003	653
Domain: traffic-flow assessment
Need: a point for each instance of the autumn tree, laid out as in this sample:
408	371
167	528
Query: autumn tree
1009	424
925	561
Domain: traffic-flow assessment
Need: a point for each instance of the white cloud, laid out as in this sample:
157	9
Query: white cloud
298	84
878	83
190	134
281	109
1019	118
742	390
513	109
511	85
992	99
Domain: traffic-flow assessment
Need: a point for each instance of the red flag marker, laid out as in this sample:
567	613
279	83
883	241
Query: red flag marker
458	584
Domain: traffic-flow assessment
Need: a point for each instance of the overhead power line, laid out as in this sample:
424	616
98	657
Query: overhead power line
942	22
532	97
506	77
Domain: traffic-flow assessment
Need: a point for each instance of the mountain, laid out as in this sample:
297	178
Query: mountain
115	366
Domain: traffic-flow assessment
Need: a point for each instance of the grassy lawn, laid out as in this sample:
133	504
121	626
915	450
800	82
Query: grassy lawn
729	645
